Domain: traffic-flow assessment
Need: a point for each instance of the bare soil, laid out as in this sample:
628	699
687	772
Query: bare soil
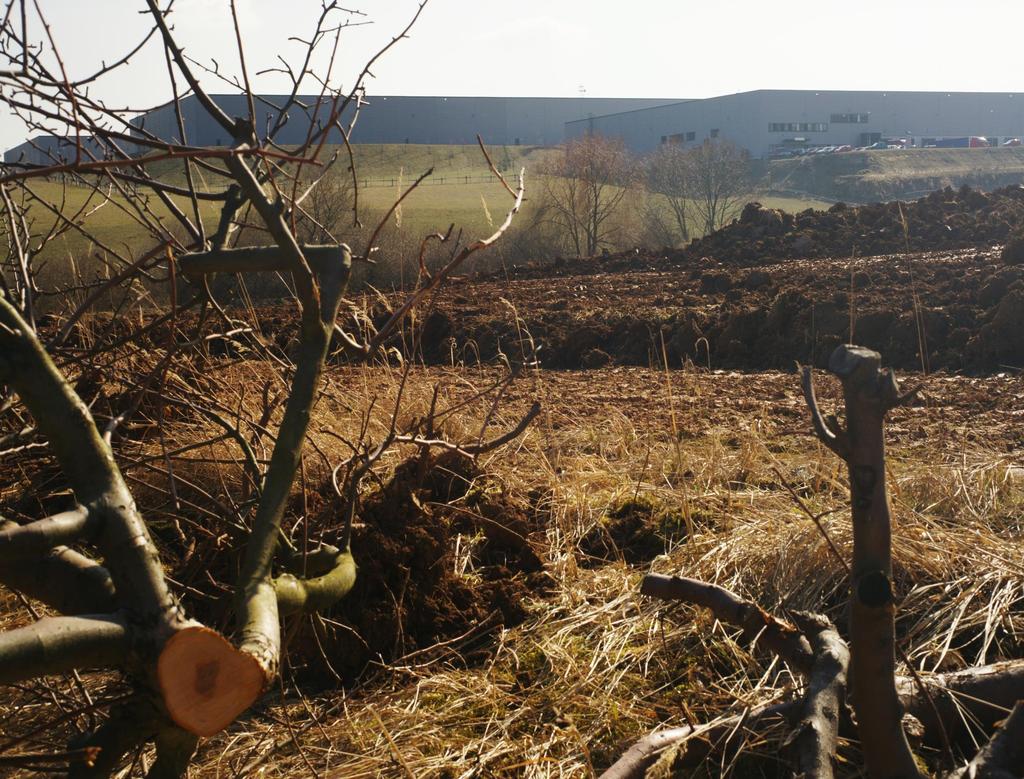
410	593
945	219
965	308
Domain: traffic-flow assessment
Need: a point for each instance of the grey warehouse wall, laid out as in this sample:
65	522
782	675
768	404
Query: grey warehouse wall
51	150
747	118
400	119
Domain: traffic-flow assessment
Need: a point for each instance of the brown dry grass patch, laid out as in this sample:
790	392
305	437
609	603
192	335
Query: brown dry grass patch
593	666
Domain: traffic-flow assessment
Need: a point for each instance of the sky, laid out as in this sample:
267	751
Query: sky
641	48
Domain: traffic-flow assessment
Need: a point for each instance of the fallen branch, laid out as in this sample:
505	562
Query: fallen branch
63	579
689	745
1003	756
815	737
330	574
968	703
18	542
757	624
982	695
58	644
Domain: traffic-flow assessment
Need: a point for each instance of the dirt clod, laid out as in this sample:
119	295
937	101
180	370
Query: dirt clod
1013	251
442	554
636	531
945	219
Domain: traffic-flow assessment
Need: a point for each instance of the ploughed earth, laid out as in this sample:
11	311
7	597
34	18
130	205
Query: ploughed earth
957	310
925	283
944	219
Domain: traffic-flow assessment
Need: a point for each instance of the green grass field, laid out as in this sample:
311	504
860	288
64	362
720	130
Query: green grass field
92	225
460	191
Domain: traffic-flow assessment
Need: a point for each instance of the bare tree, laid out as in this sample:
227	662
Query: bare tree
720	179
328	208
585	187
188	680
671	177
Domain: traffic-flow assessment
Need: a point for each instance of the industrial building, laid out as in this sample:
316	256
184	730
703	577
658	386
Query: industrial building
532	121
767	121
53	149
764	122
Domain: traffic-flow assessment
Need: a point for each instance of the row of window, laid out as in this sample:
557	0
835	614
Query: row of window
798	127
677	138
851	118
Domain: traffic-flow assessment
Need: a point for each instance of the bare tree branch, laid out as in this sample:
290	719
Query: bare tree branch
757	624
58	644
815	737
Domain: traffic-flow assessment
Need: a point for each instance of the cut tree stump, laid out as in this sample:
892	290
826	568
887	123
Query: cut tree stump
205	681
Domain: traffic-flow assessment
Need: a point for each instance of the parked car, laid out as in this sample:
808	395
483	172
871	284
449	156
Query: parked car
844	147
878	145
1011	142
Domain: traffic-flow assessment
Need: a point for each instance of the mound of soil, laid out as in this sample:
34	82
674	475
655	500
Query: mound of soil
946	219
635	531
1013	251
441	553
963	306
767	290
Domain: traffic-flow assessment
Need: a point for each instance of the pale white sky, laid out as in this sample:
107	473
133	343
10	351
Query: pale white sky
639	48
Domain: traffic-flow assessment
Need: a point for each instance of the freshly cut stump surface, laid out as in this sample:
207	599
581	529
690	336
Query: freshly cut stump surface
205	681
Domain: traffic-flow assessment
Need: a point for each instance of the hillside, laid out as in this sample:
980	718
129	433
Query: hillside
868	176
386	164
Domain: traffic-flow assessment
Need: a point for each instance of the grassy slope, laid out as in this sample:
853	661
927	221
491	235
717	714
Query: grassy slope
106	217
378	163
384	171
876	175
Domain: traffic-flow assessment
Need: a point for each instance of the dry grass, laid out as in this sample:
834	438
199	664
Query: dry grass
595	666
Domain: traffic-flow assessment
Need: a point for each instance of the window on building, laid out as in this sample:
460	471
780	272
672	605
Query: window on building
798	127
851	118
677	139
